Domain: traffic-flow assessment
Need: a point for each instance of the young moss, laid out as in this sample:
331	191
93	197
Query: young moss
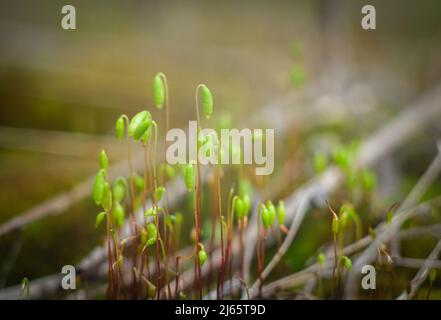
202	255
102	195
152	234
281	215
158	90
99	218
139	124
119	214
119	128
207	108
268	215
24	288
99	187
119	189
207	101
190	177
123	123
103	160
159	193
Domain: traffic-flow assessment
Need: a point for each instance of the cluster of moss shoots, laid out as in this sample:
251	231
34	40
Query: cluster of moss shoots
156	239
158	236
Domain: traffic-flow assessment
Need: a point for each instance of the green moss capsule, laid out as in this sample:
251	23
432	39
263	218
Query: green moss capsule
99	218
239	208
103	160
98	187
159	193
119	189
347	263
152	233
139	182
158	91
210	144
151	212
207	101
119	214
119	128
343	220
139	124
342	157
348	209
25	286
267	220
190	177
142	130
106	201
281	212
202	257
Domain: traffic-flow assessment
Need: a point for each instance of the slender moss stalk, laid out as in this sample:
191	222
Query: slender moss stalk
240	226
155	201
225	261
213	228
343	262
207	105
161	98
177	260
132	195
145	257
335	231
